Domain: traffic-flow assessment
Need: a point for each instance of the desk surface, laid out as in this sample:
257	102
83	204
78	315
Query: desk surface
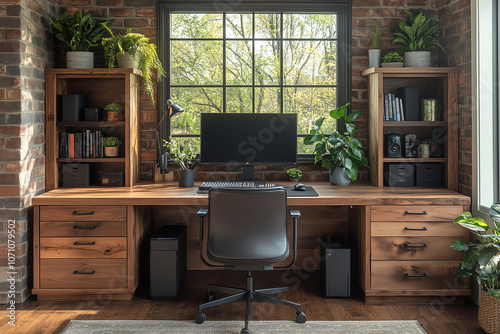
168	193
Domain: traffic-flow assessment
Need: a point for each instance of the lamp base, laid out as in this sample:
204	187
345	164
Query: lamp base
159	177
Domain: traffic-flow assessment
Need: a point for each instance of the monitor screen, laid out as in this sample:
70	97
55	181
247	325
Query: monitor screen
248	139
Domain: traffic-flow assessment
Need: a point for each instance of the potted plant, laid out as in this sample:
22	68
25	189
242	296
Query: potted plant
295	174
114	112
78	33
392	59
482	258
185	157
341	153
416	36
134	50
374	51
111	145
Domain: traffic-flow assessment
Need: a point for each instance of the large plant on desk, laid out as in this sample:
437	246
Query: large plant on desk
339	152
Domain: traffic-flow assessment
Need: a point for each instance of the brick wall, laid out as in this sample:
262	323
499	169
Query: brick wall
25	50
455	16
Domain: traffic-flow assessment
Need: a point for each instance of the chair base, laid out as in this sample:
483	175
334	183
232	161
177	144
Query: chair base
247	294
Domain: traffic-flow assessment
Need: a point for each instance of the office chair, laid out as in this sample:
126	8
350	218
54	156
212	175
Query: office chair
247	230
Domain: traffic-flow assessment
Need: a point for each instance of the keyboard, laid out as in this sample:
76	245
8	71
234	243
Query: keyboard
207	185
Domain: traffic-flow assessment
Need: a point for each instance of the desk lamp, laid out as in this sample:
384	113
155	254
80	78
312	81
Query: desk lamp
172	111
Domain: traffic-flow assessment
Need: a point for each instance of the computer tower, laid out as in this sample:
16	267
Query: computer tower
335	267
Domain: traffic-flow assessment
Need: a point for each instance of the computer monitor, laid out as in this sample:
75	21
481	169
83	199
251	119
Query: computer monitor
248	140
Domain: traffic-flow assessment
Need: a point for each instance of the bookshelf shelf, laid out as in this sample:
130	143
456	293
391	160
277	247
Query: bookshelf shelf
414	123
414	160
83	124
76	160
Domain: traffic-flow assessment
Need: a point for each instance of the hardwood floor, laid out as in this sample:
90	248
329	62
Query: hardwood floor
33	317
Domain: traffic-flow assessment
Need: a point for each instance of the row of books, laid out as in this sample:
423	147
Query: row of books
85	144
393	108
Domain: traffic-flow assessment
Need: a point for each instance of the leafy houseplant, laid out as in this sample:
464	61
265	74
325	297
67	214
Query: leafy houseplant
78	33
392	59
185	157
111	145
138	47
482	257
294	173
374	51
114	111
418	33
338	151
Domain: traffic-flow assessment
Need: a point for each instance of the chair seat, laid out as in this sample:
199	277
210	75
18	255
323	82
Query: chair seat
231	251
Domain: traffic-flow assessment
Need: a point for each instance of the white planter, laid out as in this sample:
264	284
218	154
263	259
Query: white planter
417	59
79	59
126	61
394	64
374	57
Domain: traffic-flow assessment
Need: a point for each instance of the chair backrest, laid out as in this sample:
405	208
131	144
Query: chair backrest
247	227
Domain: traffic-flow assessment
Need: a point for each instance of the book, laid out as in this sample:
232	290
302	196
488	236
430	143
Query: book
396	107
71	145
78	145
391	115
401	109
87	143
386	107
63	145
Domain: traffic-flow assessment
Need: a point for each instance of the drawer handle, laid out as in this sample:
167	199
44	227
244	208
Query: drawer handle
423	213
76	243
86	228
407	245
415	276
76	213
76	272
416	229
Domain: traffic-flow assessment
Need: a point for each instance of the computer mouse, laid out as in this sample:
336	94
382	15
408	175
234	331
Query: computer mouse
299	187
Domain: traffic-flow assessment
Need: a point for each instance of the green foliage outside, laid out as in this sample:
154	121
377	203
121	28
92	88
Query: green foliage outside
78	32
111	142
393	57
113	107
417	33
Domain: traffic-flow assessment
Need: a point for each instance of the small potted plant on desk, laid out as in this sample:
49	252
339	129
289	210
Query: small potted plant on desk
341	153
294	174
392	59
185	157
111	145
482	258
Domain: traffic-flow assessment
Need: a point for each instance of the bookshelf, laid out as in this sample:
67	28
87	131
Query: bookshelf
434	82
102	86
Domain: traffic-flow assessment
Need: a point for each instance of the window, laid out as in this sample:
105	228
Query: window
485	106
287	57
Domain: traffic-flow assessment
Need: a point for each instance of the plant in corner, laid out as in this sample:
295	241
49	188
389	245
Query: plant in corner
185	157
78	33
392	59
111	145
113	111
294	174
374	51
341	153
482	258
137	47
417	35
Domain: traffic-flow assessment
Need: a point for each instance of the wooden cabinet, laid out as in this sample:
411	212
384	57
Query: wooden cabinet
438	83
102	86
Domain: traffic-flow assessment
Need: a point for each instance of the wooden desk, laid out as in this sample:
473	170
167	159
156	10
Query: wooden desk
87	242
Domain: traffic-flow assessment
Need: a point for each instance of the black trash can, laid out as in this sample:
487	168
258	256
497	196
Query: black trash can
167	265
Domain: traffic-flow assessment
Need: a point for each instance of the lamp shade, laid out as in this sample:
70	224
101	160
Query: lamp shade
174	110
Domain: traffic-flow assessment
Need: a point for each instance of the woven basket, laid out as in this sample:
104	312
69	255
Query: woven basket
489	313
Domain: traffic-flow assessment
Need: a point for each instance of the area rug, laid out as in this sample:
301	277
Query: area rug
225	327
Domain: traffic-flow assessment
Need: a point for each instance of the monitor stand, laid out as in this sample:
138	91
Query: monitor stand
248	173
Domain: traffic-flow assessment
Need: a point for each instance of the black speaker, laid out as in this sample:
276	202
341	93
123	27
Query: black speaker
393	146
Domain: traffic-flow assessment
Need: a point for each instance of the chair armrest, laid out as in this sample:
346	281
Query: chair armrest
295	213
202	212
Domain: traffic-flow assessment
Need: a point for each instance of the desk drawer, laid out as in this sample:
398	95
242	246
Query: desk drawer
83	274
83	247
415	213
413	248
413	275
83	213
416	229
83	229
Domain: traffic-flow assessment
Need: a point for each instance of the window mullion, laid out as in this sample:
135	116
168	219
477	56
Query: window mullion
253	62
282	93
224	92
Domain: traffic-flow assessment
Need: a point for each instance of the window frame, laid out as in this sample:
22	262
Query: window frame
343	9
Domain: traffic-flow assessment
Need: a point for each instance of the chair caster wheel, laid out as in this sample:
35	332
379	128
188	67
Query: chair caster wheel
200	318
210	297
301	317
245	331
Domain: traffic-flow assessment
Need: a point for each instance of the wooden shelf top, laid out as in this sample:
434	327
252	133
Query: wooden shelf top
102	124
91	160
92	71
411	71
415	123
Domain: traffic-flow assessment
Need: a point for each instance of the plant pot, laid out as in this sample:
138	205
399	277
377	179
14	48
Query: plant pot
114	115
417	59
374	57
111	152
489	309
126	61
338	177
294	180
79	59
394	64
186	178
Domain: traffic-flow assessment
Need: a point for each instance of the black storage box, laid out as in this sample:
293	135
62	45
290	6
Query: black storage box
399	175
93	114
167	265
73	107
336	267
429	175
112	179
411	102
77	175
